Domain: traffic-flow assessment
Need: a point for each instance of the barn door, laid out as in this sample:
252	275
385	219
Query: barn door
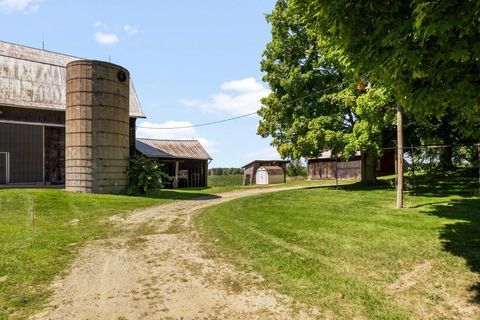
4	167
262	177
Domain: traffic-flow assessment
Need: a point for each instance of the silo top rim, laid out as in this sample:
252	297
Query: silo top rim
96	62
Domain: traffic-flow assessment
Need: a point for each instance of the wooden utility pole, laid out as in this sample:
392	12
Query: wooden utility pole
399	156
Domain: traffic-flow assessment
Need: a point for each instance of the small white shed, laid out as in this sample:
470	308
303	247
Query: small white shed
270	175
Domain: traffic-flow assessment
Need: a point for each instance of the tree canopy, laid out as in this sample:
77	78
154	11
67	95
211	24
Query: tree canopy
317	103
426	52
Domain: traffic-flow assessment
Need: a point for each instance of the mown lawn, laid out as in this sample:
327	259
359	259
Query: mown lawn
348	253
64	221
222	181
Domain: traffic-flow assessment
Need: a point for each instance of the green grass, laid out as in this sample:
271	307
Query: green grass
222	181
350	254
64	221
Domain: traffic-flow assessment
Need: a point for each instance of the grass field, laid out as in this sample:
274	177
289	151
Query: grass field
222	181
348	253
64	221
237	180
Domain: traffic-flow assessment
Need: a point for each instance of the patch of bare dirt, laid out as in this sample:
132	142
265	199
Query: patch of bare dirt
157	269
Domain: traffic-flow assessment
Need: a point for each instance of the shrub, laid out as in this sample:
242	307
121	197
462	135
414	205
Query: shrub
144	174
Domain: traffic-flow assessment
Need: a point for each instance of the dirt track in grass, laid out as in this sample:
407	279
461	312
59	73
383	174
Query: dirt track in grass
156	268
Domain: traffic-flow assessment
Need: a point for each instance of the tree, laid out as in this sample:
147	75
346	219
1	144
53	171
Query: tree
426	52
296	169
315	104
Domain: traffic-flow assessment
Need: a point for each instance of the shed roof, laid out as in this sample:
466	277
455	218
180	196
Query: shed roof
36	79
267	161
173	149
273	170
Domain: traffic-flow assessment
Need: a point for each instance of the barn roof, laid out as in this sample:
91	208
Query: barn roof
174	149
273	170
266	161
36	79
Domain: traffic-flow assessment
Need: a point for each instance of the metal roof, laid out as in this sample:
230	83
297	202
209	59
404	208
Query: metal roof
269	161
174	149
36	79
272	170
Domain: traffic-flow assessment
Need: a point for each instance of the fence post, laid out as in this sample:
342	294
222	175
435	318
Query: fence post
336	172
400	156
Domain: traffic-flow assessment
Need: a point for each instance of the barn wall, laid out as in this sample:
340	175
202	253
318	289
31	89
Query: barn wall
325	169
273	179
25	145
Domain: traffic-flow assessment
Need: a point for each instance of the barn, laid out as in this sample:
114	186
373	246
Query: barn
328	167
186	161
251	168
65	120
270	175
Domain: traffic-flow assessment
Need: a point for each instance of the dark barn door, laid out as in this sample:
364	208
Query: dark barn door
25	145
3	168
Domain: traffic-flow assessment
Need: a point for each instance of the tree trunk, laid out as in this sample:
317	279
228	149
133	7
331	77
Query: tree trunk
446	156
369	167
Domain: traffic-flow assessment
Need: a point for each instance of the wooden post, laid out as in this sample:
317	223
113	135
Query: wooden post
399	156
478	155
336	172
175	181
33	220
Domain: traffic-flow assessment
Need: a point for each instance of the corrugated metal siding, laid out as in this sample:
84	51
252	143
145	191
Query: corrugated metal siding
25	144
3	168
34	78
180	149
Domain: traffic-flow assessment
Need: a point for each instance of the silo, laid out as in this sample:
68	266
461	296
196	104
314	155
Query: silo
97	127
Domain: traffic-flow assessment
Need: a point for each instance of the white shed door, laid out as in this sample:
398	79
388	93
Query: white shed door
262	177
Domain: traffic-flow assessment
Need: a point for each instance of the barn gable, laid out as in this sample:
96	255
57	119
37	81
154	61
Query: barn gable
36	79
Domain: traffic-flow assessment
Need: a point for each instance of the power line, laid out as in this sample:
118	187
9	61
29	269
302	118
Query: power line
241	116
200	124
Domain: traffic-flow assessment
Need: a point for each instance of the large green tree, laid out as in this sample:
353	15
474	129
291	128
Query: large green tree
426	52
317	103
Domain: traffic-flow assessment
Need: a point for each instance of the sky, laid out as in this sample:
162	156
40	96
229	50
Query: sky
191	61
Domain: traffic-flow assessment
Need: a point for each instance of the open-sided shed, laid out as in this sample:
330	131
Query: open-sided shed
186	161
250	169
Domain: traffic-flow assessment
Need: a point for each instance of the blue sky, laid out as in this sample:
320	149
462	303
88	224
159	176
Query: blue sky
191	61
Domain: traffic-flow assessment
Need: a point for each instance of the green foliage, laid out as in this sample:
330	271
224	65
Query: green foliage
144	174
296	168
425	52
224	171
315	105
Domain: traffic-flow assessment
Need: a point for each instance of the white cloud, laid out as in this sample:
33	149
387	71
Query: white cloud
105	38
129	30
267	153
25	6
99	24
180	134
236	97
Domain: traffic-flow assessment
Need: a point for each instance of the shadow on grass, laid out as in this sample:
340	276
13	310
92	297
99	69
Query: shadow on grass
460	182
462	238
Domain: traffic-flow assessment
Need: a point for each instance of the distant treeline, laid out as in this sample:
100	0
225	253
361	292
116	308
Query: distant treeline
224	171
